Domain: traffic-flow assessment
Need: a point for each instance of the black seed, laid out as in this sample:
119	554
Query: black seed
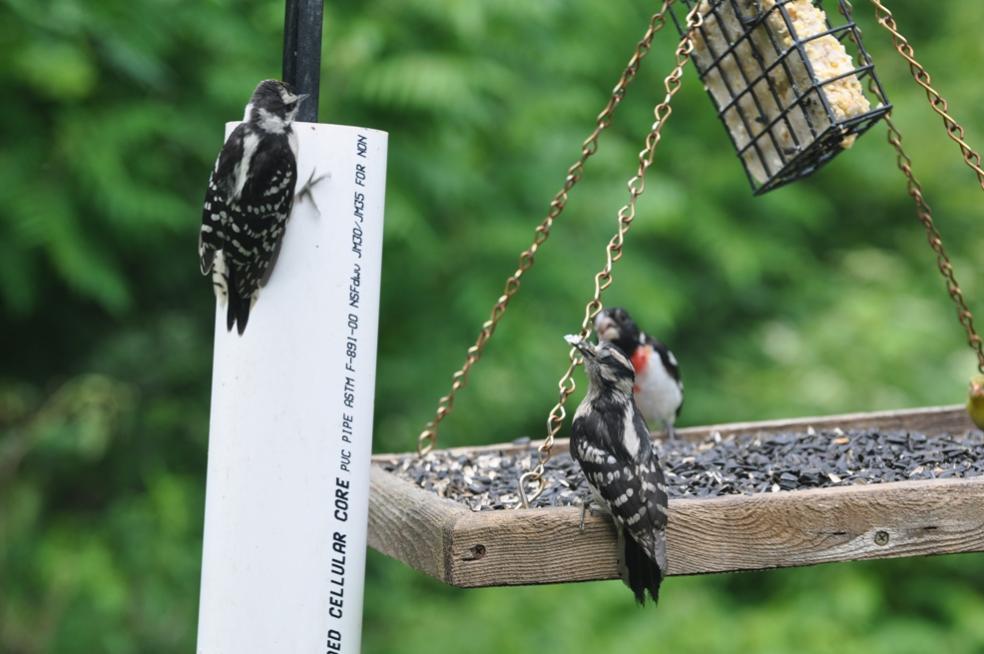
716	466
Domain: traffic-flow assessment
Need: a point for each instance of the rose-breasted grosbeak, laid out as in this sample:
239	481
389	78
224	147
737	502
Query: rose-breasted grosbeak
658	390
611	442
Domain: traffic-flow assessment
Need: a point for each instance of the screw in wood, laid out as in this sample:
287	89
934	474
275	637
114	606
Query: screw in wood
474	553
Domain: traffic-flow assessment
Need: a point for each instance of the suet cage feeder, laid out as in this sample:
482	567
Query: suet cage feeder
793	91
784	83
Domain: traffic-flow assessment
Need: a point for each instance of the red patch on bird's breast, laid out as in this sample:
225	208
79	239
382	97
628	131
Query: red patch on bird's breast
640	359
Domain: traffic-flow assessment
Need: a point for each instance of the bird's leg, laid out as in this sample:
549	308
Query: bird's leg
305	191
588	505
670	431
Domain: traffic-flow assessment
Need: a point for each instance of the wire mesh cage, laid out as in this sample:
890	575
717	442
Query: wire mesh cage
784	82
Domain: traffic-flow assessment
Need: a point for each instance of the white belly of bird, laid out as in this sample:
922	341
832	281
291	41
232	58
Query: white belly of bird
220	277
657	394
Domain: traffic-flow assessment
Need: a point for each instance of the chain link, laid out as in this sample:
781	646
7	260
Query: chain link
613	252
428	437
925	215
923	211
939	104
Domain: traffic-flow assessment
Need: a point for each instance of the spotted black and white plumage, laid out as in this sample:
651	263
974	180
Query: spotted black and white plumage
249	199
610	441
658	389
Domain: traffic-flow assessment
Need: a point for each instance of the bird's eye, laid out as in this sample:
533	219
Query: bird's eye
290	106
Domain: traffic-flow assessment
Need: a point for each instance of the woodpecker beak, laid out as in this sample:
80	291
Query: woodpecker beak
584	347
302	97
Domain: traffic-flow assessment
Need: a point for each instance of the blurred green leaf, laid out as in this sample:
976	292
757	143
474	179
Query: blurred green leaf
60	71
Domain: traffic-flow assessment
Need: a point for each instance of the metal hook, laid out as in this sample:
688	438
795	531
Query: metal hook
525	499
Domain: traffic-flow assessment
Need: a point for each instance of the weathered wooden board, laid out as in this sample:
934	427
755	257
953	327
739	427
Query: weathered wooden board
411	524
738	532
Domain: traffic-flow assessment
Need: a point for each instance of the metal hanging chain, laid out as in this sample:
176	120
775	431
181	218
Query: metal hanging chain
613	252
428	437
925	215
923	211
923	79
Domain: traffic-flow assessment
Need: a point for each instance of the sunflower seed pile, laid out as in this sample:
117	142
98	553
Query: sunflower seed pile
765	463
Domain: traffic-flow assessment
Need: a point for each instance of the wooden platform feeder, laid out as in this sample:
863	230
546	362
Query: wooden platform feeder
467	548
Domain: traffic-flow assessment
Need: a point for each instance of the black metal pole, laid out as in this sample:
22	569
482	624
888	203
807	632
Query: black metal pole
302	52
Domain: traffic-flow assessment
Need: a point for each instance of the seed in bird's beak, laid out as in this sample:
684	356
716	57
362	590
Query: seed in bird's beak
583	346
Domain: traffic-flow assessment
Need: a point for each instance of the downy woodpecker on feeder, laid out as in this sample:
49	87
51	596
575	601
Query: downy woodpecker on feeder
610	441
658	390
249	199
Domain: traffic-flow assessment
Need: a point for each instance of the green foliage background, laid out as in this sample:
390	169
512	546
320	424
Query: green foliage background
821	297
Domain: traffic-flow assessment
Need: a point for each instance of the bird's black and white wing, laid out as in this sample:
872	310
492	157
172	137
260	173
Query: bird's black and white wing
623	471
264	204
646	520
666	357
216	210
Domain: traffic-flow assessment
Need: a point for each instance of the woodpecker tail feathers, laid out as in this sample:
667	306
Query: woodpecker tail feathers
639	572
238	306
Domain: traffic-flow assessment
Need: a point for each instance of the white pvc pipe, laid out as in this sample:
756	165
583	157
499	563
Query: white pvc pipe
286	506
